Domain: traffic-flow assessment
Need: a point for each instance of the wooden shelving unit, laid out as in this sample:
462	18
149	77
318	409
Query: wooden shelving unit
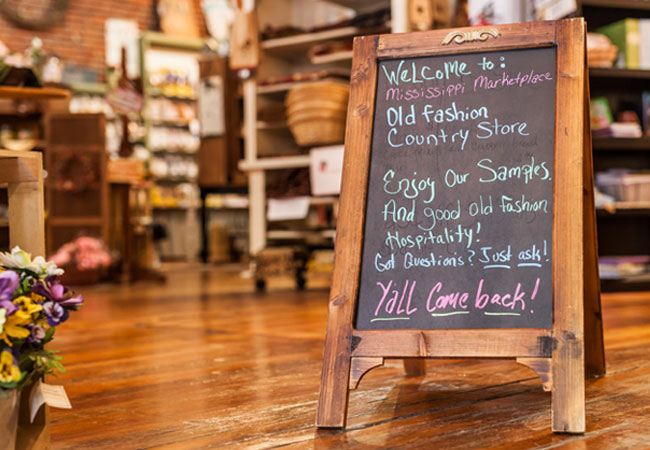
268	145
624	229
281	57
183	47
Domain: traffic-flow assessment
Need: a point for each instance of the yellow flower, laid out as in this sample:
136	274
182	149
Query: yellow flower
37	298
9	372
25	304
12	327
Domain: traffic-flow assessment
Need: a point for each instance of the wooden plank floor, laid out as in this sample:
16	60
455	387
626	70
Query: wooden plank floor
203	362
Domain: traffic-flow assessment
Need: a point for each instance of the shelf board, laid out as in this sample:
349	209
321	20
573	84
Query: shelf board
626	209
25	93
157	39
362	5
625	284
637	144
174	152
198	208
277	88
300	234
626	4
174	208
276	162
174	180
615	72
276	125
332	57
293	47
227	208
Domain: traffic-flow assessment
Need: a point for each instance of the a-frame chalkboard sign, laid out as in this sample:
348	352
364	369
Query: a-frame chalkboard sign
467	224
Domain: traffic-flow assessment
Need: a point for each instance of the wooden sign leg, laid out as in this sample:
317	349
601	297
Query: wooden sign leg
568	396
567	366
594	345
335	377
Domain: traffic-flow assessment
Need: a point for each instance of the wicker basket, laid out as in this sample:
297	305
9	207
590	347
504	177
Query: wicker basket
316	112
319	90
318	132
311	105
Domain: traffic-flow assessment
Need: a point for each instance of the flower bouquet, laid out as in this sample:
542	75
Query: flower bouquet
32	304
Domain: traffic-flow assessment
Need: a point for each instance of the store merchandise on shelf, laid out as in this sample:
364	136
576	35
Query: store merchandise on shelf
170	72
278	136
620	130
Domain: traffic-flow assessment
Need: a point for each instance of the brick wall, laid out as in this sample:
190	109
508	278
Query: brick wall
80	39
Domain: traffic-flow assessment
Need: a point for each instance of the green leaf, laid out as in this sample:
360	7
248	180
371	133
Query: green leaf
49	334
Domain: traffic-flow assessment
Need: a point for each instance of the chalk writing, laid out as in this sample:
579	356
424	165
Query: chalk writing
459	211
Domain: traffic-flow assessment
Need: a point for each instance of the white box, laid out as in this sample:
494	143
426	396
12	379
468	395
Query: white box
325	168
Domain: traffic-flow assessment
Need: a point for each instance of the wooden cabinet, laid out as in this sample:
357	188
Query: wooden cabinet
76	187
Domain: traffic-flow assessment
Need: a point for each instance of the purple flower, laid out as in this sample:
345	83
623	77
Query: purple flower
55	313
56	292
37	334
8	285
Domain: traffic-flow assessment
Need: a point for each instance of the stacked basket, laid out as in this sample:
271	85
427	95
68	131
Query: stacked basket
316	112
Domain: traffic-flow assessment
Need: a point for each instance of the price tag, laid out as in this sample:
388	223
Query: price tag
49	394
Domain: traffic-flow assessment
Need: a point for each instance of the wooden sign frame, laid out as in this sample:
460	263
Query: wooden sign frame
561	355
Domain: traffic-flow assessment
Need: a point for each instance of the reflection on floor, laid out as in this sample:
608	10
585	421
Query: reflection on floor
203	361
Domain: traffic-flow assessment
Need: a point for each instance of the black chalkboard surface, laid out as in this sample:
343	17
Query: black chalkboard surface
459	212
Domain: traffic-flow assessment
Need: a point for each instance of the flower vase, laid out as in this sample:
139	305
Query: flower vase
9	419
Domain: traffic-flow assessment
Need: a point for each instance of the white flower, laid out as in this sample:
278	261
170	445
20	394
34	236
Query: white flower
20	259
3	318
17	259
40	266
